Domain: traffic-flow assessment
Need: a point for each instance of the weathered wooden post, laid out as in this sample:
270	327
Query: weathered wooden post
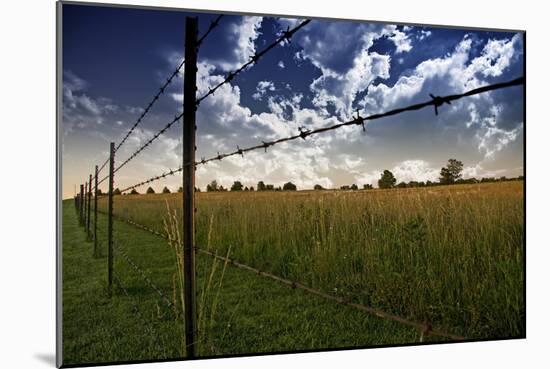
81	205
95	211
89	207
189	128
110	225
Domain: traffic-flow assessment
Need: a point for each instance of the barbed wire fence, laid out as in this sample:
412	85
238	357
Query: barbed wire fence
89	192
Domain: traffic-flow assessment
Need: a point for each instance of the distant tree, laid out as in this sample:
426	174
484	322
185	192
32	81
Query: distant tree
246	188
116	191
268	187
212	187
318	187
261	186
289	186
278	188
354	187
197	189
180	189
367	187
413	184
345	187
165	190
222	189
237	186
99	193
251	188
387	180
401	185
450	173
429	183
150	190
134	192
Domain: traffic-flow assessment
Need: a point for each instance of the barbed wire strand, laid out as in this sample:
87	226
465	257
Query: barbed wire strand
436	102
424	328
211	27
161	91
285	36
176	119
119	250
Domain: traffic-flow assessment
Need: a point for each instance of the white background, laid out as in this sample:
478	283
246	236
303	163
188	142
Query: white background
27	181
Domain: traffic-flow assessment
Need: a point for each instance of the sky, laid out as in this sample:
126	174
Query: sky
114	61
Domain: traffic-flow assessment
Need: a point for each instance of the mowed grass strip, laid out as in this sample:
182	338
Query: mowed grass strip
251	315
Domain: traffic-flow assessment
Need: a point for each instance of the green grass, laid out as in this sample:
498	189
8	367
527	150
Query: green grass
451	256
253	315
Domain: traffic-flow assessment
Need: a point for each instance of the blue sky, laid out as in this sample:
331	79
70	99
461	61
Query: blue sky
115	59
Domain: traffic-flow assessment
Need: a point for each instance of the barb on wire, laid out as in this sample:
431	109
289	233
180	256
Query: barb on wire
161	90
285	36
211	27
146	323
150	141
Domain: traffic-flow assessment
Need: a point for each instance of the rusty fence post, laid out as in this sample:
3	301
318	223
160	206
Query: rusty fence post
110	214
189	108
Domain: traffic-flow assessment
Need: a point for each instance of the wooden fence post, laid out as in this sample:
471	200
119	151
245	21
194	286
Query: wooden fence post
189	108
81	205
95	211
89	207
110	226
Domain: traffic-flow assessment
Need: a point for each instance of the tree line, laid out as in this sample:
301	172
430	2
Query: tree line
449	175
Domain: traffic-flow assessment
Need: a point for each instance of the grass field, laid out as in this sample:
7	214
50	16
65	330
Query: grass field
451	256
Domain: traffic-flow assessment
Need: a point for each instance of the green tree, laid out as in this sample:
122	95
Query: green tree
165	190
318	187
268	187
180	189
261	186
450	173
354	187
289	186
367	187
401	185
387	180
150	190
237	186
116	191
212	187
134	192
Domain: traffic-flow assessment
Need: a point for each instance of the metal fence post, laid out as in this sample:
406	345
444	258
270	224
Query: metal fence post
110	226
95	211
81	205
89	207
189	107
